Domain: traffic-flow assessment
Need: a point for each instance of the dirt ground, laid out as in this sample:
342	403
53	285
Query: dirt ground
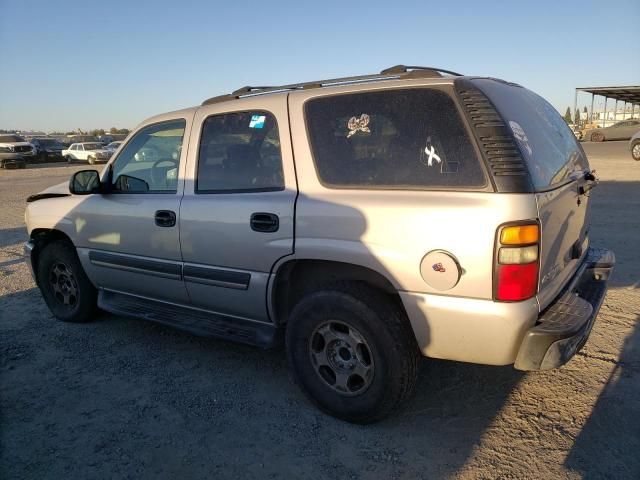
123	398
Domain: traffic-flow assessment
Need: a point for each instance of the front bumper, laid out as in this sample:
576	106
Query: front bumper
564	327
13	161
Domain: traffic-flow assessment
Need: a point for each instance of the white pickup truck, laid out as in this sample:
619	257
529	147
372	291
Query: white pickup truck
90	151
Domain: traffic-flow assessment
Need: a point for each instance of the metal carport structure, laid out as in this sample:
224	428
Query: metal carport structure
629	94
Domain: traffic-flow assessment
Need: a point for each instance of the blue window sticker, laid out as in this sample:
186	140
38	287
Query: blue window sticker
257	121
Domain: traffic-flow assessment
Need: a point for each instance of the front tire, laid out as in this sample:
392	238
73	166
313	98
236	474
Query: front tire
91	160
66	289
69	159
597	137
635	151
352	351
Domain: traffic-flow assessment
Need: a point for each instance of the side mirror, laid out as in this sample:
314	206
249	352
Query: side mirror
84	182
126	183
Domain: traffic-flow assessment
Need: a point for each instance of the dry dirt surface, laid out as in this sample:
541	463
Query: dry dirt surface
123	398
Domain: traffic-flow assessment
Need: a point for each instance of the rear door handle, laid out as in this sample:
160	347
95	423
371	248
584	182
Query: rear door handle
165	218
264	222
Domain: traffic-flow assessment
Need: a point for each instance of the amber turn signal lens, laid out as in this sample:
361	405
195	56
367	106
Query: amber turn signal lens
520	234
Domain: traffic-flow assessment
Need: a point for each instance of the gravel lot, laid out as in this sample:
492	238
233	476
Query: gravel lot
124	398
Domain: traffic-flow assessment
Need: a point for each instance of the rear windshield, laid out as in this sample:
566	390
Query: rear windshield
402	139
546	142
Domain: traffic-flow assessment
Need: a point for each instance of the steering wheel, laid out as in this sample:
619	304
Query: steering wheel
159	173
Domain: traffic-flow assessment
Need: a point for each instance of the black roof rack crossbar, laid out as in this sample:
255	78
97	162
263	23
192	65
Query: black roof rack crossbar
397	69
248	89
251	91
386	74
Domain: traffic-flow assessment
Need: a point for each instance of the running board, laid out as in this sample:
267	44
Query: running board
198	322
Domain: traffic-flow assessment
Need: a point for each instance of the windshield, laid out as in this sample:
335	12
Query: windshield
92	146
50	143
11	138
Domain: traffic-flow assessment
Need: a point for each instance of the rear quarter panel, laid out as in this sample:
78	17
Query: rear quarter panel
390	231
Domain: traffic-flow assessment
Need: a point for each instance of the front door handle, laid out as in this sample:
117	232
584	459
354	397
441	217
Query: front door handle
264	222
165	218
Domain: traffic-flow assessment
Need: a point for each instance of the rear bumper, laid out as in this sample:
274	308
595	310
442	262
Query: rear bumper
564	327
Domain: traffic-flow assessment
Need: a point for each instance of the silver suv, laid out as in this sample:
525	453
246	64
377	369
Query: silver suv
367	221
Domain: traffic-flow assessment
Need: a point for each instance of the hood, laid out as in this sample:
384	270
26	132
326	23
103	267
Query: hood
59	190
15	144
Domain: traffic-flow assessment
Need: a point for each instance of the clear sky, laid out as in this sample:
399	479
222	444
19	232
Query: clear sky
97	64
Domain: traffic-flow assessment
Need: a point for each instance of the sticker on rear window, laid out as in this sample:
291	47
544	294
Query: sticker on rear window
521	137
433	155
257	121
356	125
430	154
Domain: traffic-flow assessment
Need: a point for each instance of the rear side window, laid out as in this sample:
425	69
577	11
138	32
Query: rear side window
546	142
397	139
240	152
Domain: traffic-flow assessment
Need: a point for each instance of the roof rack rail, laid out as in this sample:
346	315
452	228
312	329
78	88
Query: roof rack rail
386	74
398	69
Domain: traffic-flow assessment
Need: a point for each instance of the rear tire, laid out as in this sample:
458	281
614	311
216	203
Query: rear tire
352	351
91	160
66	289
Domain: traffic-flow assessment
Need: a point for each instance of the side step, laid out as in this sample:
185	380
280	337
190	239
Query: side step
198	322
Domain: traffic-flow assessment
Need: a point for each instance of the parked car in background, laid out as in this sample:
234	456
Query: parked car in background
113	146
48	149
577	131
619	131
91	152
634	146
82	138
15	151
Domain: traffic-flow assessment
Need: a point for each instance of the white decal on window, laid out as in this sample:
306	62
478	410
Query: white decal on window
521	137
430	150
356	125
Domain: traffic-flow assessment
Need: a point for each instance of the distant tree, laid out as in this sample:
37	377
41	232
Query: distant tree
576	117
567	115
122	131
97	132
71	133
585	110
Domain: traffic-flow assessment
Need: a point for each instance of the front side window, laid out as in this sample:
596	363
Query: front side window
149	162
240	152
392	139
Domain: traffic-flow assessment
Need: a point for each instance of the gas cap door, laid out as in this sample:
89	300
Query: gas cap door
440	270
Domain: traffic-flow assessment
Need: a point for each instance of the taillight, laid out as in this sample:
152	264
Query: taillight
517	262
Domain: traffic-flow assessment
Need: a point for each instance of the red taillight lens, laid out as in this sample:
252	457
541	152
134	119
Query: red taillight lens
517	282
517	261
